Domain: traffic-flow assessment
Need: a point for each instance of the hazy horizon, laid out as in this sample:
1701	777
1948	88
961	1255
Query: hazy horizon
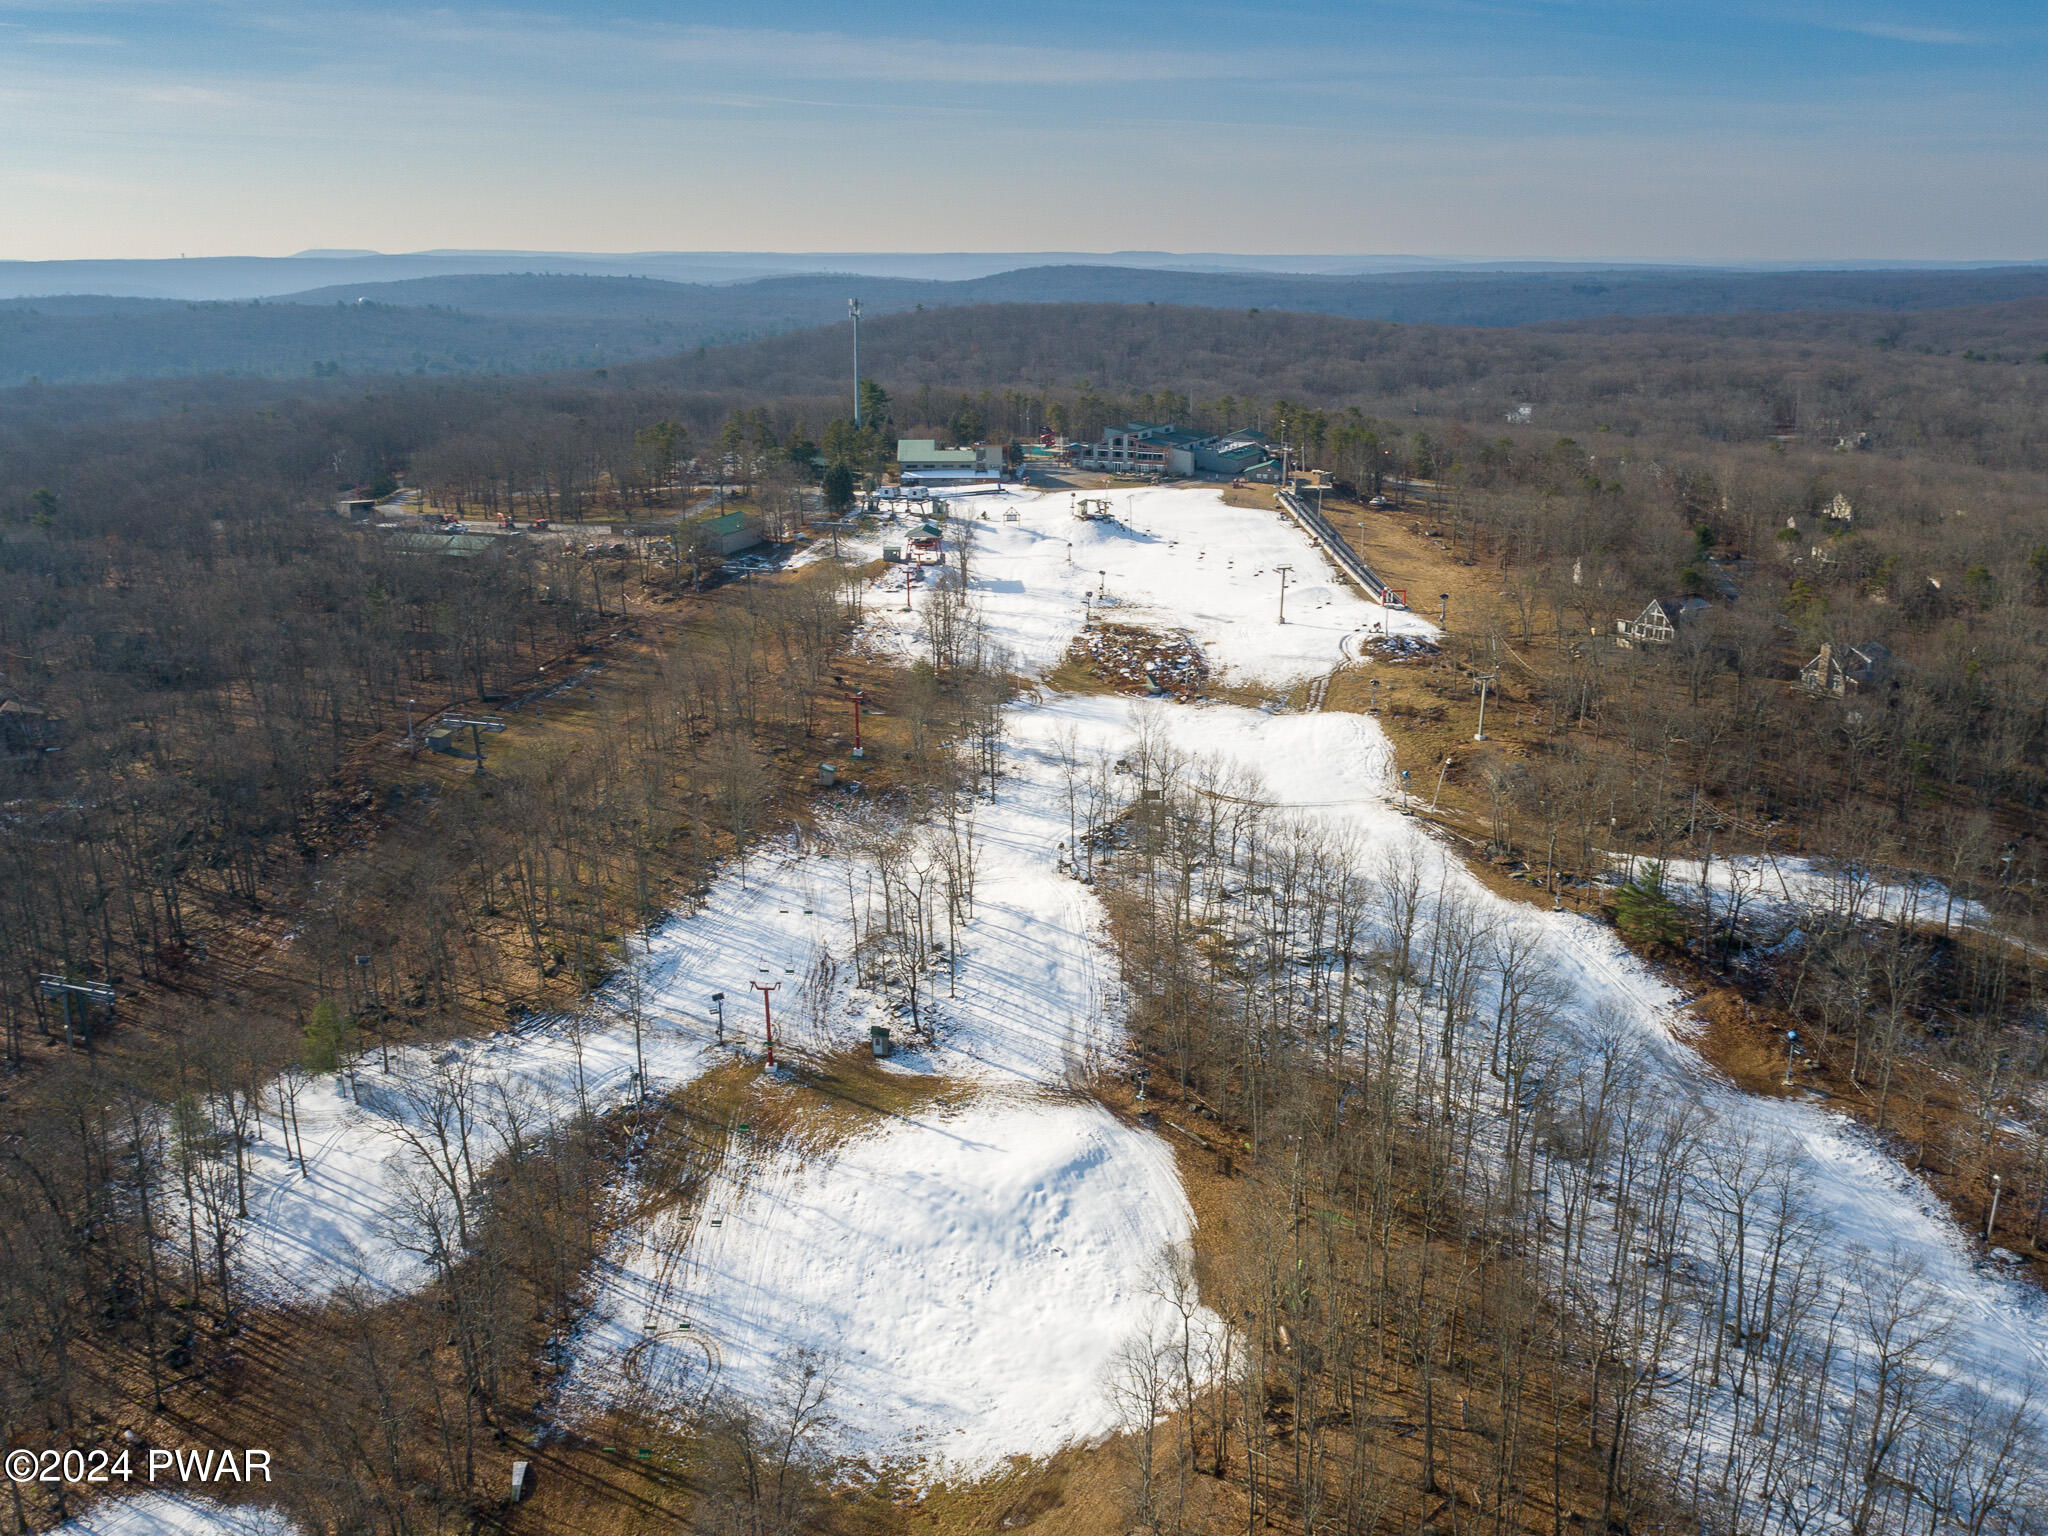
1732	133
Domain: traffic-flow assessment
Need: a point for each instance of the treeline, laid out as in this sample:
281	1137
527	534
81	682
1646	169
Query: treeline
507	323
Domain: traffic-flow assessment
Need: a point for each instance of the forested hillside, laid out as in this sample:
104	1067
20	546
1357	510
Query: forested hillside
1450	1178
535	321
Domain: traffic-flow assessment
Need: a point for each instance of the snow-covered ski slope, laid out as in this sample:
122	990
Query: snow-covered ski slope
961	1278
1174	558
177	1514
929	1257
1337	767
963	1275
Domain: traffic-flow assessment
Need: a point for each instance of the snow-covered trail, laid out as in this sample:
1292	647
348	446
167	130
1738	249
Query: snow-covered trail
962	1279
1175	558
1784	887
1337	768
1035	1007
177	1514
937	1213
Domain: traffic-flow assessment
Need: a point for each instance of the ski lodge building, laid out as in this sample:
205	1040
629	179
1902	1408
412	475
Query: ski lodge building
923	462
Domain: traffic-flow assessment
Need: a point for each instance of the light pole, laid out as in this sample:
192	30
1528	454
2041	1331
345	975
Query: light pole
1443	609
859	698
1283	591
1997	1188
718	1002
768	1015
411	750
1485	680
1791	1045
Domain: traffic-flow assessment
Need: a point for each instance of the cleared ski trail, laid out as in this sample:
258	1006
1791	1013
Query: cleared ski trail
968	1272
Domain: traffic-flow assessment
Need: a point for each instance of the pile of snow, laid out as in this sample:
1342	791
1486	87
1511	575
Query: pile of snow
176	1514
961	1279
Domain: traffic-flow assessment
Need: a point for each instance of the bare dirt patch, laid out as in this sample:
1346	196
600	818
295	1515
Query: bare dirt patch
1128	658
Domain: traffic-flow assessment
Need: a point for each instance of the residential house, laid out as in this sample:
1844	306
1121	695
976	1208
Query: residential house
1836	672
1660	621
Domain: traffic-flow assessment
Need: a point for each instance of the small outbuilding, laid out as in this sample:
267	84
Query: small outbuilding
732	533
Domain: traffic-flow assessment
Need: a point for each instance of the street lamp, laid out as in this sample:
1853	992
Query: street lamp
1283	591
718	1002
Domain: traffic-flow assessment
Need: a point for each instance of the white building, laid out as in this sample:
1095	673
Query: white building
923	462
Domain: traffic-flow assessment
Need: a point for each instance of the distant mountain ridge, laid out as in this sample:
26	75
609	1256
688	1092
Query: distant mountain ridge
263	277
476	323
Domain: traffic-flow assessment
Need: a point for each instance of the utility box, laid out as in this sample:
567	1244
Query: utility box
522	1480
878	1037
828	775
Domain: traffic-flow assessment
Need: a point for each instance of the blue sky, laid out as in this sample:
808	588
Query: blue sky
1572	129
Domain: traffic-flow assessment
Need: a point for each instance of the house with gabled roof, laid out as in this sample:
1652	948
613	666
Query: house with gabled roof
1660	621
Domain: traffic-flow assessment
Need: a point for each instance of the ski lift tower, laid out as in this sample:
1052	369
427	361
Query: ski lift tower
64	989
477	725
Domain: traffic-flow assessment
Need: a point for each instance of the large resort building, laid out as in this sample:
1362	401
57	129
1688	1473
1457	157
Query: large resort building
1149	448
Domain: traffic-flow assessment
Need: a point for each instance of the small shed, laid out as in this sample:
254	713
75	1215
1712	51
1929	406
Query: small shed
733	532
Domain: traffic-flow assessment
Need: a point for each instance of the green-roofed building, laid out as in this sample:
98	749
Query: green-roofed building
733	532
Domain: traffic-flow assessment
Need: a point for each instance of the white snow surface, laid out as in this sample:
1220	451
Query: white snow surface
1783	887
1175	558
985	1259
1338	767
176	1514
345	1220
962	1278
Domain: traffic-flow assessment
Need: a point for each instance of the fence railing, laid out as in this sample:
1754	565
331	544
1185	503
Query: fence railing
1347	558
